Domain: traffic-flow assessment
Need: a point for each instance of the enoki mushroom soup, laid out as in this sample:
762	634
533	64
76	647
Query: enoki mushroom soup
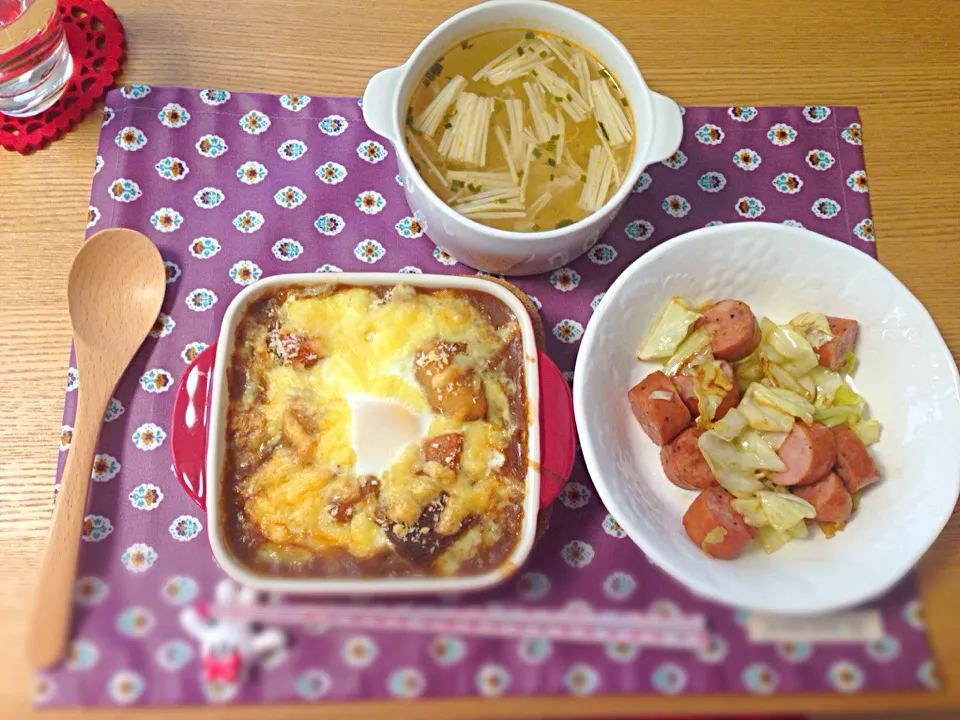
520	130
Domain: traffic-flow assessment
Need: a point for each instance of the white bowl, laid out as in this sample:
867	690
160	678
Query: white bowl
904	370
657	119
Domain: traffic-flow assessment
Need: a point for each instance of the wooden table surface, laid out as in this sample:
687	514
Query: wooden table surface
898	62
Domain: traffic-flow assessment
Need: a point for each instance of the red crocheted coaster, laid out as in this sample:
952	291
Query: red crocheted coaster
95	37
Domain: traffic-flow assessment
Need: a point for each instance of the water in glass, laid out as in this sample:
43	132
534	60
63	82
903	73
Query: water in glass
35	62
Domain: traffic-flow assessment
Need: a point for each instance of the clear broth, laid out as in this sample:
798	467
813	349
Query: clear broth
545	174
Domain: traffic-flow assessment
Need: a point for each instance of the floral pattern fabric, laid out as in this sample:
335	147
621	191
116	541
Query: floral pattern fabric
235	187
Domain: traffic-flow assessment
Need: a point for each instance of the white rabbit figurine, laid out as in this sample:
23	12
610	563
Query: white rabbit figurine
228	647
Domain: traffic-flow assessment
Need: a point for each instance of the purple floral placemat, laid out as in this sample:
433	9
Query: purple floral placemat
233	187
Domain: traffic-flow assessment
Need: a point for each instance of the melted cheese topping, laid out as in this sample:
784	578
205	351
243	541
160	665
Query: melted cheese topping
368	344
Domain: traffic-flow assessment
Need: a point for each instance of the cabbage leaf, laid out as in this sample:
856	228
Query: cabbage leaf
711	385
784	510
868	431
730	425
847	407
668	331
782	400
732	468
814	327
695	349
787	347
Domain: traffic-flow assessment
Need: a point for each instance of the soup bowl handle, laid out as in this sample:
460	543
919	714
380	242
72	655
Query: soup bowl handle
188	425
380	101
667	128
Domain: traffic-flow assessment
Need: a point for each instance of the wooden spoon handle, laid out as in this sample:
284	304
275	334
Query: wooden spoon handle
53	601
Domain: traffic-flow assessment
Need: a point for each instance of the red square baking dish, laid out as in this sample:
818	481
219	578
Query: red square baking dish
373	433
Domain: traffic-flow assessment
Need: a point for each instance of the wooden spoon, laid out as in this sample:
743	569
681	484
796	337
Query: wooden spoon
115	290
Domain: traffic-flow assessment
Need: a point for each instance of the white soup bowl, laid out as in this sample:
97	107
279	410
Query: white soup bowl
657	120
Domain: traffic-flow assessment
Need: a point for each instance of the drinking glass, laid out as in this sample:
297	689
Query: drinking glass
35	62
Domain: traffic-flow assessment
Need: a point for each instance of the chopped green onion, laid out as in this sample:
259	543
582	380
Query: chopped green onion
537	153
563	223
432	73
544	54
551	162
583	177
519	50
528	35
603	73
604	131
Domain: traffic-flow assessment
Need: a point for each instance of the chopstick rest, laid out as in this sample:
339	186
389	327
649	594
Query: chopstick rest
229	646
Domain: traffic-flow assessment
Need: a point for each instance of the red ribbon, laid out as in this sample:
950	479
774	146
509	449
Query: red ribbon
226	669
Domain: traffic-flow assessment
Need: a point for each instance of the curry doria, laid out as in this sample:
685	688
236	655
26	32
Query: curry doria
375	432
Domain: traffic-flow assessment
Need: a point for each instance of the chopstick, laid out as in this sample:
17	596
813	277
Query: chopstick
567	625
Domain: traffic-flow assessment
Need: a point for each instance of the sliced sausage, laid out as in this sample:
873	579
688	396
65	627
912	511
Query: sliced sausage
854	464
809	452
684	464
440	456
832	354
658	408
345	491
735	330
451	389
829	497
420	542
685	384
714	526
444	449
